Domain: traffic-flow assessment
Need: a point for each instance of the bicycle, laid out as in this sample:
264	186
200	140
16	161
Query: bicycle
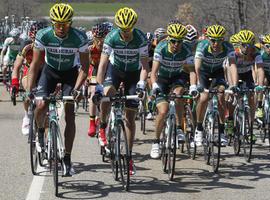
212	136
118	148
169	143
264	129
243	133
55	147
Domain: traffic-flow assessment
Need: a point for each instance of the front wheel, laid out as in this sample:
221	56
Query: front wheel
54	132
172	148
247	133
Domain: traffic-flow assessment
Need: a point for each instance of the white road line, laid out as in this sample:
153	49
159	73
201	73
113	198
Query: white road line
36	185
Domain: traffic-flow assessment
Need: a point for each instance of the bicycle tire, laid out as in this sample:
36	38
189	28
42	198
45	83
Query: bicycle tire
215	144
248	135
142	116
32	143
112	146
13	96
53	130
163	153
124	155
172	148
236	134
189	130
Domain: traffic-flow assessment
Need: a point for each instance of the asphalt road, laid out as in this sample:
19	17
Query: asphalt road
93	179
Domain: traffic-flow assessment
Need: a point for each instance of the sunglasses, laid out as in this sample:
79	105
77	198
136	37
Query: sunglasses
244	45
216	40
126	31
61	25
174	41
267	46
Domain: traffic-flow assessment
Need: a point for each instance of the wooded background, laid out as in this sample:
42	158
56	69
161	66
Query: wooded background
233	14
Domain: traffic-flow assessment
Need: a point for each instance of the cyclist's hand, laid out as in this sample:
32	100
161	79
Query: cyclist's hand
76	94
235	89
200	88
193	91
155	89
140	85
259	88
15	85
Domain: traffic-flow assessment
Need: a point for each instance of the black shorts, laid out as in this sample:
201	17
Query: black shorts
247	79
114	77
50	78
217	77
168	84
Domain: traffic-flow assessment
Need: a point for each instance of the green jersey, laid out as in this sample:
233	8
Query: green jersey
171	65
266	61
125	56
13	46
211	61
61	54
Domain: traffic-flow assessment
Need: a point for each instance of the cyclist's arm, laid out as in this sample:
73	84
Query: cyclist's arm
3	52
34	68
145	68
102	67
154	71
84	58
198	63
233	72
260	74
17	65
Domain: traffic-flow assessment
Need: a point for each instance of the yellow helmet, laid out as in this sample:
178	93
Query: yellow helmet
61	12
246	37
177	31
215	31
125	18
234	39
266	39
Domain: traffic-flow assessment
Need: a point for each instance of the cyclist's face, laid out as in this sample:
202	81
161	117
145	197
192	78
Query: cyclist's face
267	48
98	41
246	48
216	44
126	34
61	29
175	44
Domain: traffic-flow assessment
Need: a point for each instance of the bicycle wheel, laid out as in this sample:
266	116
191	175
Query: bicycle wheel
113	149
163	153
172	148
54	129
237	133
32	141
189	129
142	115
248	135
124	154
215	144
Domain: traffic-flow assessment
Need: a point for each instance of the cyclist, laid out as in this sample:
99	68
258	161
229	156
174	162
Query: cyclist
10	50
24	58
191	38
171	58
159	35
124	59
265	53
64	46
209	57
99	32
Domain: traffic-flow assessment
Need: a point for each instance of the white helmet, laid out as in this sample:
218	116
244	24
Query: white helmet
90	39
192	33
160	33
15	32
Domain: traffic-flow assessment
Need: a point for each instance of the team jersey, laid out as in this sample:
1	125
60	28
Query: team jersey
125	56
245	63
95	55
13	46
212	62
61	54
266	61
171	65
